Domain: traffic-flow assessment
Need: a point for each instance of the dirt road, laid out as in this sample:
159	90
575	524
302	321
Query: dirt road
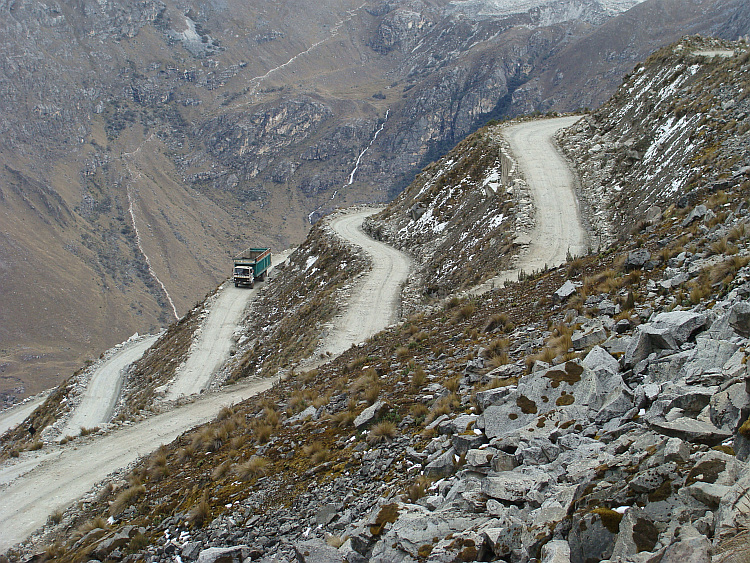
68	473
212	348
104	387
15	415
375	302
557	229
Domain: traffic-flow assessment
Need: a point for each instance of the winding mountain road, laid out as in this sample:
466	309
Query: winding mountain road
104	388
558	230
376	300
38	484
214	344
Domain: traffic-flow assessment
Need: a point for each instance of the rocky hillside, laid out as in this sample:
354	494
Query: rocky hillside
462	218
597	411
145	143
675	131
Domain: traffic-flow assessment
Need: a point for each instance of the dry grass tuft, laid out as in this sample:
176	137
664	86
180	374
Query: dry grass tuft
126	498
383	431
253	467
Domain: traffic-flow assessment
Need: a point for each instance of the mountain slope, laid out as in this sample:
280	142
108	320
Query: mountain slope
146	143
573	413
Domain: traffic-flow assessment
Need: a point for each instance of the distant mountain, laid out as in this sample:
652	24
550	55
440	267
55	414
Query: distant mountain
144	143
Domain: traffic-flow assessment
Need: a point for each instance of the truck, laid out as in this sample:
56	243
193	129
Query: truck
251	265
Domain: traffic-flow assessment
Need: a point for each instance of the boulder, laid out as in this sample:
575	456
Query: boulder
637	259
368	415
564	292
593	534
508	486
694	549
546	399
739	318
668	331
698	212
676	450
600	361
556	551
233	554
315	551
637	533
493	396
442	466
588	336
691	430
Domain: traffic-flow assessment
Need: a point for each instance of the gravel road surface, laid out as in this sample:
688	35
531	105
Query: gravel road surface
558	228
15	415
70	472
375	301
104	388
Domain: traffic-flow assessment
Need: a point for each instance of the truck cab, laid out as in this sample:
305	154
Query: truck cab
244	275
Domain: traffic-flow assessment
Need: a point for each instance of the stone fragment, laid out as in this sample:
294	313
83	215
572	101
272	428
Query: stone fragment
587	337
698	212
315	551
691	430
599	360
462	443
593	535
564	292
480	459
493	396
556	551
222	554
508	486
637	533
739	318
442	466
696	549
503	461
368	415
637	259
676	450
709	494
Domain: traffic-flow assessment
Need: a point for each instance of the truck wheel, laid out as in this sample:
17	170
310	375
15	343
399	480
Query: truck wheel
252	284
236	284
262	277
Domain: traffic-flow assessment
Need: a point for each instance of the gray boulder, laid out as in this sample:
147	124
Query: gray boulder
693	549
593	535
442	466
637	259
549	398
564	292
691	430
668	331
228	555
508	486
637	533
556	551
368	415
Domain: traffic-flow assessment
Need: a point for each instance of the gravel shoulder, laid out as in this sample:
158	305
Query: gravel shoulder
558	229
375	301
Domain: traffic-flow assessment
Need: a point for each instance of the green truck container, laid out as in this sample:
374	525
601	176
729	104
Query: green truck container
251	265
